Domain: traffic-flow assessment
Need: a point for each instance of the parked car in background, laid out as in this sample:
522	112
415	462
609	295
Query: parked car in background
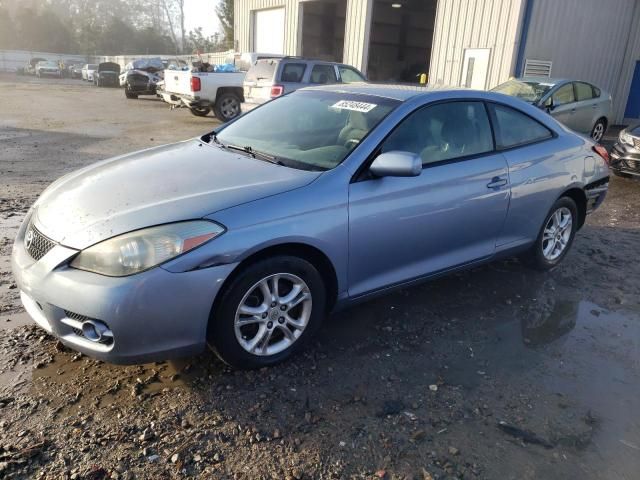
106	74
76	71
68	65
272	77
625	155
140	77
30	67
202	92
581	106
48	69
247	237
88	71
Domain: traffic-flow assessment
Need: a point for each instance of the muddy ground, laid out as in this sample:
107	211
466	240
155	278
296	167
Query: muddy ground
495	373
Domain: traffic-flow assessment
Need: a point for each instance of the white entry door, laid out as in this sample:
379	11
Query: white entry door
475	68
268	31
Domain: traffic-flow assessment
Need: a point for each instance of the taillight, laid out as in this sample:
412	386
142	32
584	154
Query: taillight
600	150
195	84
276	91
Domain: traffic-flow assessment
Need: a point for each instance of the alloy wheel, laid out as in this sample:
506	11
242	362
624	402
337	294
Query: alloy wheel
229	107
557	233
272	314
598	132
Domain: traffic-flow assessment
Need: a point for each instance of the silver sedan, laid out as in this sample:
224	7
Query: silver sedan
245	238
581	106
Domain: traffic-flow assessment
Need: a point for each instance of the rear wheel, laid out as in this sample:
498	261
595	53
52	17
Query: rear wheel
200	111
268	312
227	106
598	130
556	236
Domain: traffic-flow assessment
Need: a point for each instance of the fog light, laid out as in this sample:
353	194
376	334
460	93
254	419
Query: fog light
95	331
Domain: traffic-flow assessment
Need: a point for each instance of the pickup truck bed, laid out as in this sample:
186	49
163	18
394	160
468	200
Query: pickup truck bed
202	92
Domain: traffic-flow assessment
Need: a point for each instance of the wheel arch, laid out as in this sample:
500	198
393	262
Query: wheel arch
238	91
307	252
580	198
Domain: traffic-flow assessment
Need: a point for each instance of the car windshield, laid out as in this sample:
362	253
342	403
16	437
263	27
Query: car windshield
313	130
529	91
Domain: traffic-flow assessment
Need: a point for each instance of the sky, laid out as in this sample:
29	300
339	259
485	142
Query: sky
201	13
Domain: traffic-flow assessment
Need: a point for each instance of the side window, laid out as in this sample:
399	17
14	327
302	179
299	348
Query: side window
513	128
349	75
443	132
564	95
323	74
583	91
292	72
596	92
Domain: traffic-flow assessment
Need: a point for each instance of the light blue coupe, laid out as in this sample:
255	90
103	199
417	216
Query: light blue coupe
247	237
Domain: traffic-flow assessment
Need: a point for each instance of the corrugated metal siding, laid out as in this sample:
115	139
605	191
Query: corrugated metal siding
356	34
632	55
585	39
461	24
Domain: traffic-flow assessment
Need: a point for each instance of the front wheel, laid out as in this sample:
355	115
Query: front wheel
556	236
227	107
128	93
598	130
268	312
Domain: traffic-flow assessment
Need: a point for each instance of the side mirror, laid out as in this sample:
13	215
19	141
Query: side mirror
548	104
396	164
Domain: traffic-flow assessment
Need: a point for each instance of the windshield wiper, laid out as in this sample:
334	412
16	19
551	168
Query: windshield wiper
255	153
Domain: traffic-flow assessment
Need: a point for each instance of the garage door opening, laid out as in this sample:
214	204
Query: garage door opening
401	39
268	31
323	29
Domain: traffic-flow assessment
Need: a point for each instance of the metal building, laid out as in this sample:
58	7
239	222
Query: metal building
474	43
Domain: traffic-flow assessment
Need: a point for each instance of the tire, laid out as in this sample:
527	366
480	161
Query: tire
266	327
200	111
552	245
227	106
128	93
597	132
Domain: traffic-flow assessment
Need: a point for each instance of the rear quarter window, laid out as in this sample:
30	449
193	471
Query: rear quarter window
292	72
514	128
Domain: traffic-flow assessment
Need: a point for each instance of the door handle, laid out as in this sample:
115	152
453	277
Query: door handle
497	182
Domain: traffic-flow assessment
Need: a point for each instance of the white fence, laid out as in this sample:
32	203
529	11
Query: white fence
11	60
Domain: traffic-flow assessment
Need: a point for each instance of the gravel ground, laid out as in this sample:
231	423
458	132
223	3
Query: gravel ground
496	373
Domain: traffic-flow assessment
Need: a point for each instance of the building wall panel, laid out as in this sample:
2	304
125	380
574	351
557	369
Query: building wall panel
461	24
589	40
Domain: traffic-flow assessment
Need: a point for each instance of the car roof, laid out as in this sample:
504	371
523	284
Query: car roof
395	92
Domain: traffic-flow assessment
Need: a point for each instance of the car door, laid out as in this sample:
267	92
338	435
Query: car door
563	108
401	228
585	107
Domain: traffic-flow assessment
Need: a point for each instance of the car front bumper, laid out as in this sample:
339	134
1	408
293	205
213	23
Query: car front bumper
625	159
154	315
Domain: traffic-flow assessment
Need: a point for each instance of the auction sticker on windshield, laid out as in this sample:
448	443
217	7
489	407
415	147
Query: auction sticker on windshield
355	106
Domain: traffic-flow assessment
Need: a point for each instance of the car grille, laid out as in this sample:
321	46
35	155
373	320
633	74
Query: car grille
36	244
636	142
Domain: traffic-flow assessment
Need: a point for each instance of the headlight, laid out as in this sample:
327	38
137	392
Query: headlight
140	250
625	138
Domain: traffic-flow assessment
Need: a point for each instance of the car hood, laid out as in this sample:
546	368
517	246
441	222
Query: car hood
182	181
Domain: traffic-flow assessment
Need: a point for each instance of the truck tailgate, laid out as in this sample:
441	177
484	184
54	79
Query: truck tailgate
177	82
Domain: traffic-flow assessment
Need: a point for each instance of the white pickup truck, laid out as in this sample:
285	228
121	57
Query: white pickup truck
202	92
